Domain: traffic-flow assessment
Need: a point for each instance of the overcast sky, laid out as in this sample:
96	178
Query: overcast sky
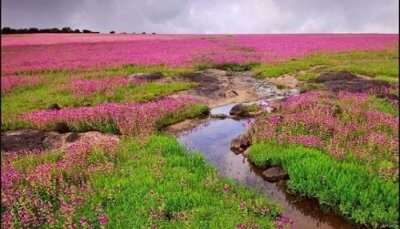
206	16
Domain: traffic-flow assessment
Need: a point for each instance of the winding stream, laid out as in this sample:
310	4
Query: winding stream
213	139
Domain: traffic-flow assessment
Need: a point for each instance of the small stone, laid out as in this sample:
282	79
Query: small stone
275	174
239	110
240	144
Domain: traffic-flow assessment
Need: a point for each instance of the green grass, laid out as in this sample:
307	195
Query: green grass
25	163
160	184
378	64
233	67
54	90
345	185
189	112
383	105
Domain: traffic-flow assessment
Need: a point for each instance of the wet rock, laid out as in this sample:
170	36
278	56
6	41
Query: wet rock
22	140
275	174
219	116
239	110
54	106
241	143
147	76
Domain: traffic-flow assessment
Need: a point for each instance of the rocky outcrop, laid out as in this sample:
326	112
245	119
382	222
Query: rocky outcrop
241	143
239	110
29	140
146	77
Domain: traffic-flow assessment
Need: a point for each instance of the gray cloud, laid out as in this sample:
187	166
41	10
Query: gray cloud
207	16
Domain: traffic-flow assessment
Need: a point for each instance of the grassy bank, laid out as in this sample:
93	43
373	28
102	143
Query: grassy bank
165	186
383	65
59	87
346	186
133	184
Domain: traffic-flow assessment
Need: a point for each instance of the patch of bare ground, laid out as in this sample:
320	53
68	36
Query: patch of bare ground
29	140
219	87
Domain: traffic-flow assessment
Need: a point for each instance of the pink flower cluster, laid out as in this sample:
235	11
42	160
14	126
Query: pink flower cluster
8	83
33	52
128	118
340	124
48	191
82	87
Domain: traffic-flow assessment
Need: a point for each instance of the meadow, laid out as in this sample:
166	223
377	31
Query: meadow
338	144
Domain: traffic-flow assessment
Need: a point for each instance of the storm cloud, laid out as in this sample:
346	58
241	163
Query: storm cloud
206	16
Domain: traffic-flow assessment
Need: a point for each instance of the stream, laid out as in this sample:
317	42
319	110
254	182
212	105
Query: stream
213	139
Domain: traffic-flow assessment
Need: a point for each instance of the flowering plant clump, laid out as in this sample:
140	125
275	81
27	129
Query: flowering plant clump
82	87
343	124
66	51
126	119
10	82
49	191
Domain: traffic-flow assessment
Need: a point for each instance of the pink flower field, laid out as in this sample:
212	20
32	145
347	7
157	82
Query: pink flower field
65	51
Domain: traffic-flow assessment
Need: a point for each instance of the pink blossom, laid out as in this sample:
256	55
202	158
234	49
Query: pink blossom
65	51
8	83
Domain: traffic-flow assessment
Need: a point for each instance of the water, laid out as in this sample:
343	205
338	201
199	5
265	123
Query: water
213	139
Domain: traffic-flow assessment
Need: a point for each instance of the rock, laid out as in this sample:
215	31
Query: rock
72	137
61	127
146	76
219	116
53	140
275	174
36	140
241	143
22	140
239	110
54	106
333	76
217	72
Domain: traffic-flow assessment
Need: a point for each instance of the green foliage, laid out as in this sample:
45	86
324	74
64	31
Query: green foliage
189	112
383	105
27	162
382	65
160	184
345	185
51	92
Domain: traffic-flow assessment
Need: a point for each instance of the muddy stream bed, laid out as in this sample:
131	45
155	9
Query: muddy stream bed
213	139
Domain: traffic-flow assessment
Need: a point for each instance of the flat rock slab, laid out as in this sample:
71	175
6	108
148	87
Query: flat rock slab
29	140
275	174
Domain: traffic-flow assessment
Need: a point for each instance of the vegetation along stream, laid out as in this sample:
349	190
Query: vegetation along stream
213	138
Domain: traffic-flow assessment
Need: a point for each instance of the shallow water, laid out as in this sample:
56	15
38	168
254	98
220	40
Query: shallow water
213	139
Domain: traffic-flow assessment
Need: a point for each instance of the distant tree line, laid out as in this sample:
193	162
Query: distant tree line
8	30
